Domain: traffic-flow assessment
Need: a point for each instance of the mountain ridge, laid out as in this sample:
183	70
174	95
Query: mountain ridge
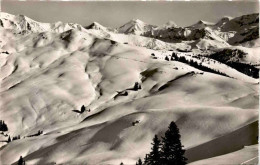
224	28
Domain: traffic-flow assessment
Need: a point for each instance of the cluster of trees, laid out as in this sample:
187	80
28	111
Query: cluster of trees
137	86
83	108
195	64
37	134
135	122
18	137
169	151
245	68
3	126
5	52
153	56
123	93
231	57
14	138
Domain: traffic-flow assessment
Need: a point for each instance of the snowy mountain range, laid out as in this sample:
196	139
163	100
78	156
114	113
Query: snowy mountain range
204	77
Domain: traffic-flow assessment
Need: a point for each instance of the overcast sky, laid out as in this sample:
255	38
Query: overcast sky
115	14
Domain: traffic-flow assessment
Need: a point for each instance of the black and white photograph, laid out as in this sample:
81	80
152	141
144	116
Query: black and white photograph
94	82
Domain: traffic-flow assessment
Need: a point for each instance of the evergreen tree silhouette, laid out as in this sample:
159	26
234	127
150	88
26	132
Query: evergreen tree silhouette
154	157
172	152
82	109
139	162
3	126
137	86
9	139
21	161
146	159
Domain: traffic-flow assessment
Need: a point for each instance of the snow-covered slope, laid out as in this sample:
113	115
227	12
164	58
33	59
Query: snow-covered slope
247	155
47	75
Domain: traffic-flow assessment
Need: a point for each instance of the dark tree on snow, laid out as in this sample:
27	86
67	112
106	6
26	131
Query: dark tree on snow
82	109
139	162
146	159
167	152
39	132
9	139
154	157
3	126
137	86
172	152
21	161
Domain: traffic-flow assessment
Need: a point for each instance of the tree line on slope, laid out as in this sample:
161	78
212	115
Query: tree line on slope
231	58
194	64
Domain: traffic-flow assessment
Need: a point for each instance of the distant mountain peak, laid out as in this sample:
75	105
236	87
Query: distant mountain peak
135	26
95	25
21	16
204	22
201	24
227	17
231	30
170	24
136	21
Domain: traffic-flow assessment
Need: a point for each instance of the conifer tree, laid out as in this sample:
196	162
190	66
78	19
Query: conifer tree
154	157
21	161
9	139
139	162
136	86
146	159
172	152
82	109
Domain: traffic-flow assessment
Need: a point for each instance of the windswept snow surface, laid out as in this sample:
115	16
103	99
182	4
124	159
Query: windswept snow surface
48	72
